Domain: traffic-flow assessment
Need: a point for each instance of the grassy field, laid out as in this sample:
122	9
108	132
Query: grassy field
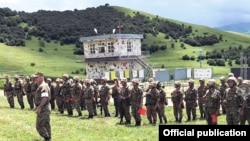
19	125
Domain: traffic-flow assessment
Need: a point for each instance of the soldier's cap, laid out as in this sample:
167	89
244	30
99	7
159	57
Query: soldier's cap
37	74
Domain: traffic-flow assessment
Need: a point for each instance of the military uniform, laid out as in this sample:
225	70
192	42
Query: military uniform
52	100
88	95
116	97
67	97
222	89
177	100
8	92
125	103
77	88
18	91
27	89
190	100
245	111
162	102
33	88
96	95
201	90
152	104
104	96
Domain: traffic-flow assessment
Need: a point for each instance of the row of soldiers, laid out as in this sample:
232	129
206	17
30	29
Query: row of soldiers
231	95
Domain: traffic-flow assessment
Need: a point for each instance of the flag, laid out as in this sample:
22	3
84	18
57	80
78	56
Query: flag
142	111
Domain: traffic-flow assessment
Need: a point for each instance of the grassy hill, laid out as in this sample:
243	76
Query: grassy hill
56	59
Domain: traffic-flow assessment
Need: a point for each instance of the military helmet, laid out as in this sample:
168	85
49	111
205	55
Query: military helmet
49	79
232	79
240	79
202	79
136	81
177	83
222	78
211	82
65	75
151	79
76	78
124	80
191	81
58	80
27	77
16	76
87	81
104	79
230	74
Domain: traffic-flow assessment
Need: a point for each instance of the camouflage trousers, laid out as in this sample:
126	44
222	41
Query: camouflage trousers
191	110
30	99
89	106
10	99
135	113
76	105
43	124
201	109
208	114
232	117
125	111
105	108
177	111
161	112
151	114
245	117
59	103
19	95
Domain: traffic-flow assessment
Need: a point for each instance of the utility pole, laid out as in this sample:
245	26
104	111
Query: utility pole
241	64
200	57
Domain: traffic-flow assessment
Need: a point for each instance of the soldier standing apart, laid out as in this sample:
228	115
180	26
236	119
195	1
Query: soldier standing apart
96	95
67	98
18	91
8	92
42	98
88	95
27	90
58	95
104	93
153	103
33	86
190	100
116	96
77	90
201	92
125	103
233	102
52	100
245	110
177	100
223	87
136	100
162	102
211	102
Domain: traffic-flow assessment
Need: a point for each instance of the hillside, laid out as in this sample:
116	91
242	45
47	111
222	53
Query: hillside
239	27
167	40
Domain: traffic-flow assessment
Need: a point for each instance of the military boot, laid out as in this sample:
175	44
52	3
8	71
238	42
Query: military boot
194	117
79	114
189	119
47	139
180	119
165	120
160	121
176	119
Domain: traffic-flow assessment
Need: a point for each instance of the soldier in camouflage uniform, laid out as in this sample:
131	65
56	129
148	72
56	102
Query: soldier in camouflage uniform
67	97
104	93
223	87
53	97
239	80
88	95
77	90
201	92
34	87
96	95
116	96
177	100
233	102
82	101
125	103
18	91
211	102
162	102
245	110
27	90
8	92
42	98
136	100
190	100
153	104
59	96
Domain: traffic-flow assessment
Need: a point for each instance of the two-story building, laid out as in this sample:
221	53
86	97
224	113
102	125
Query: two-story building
114	55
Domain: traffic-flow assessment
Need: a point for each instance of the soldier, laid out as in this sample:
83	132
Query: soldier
190	100
88	95
230	74
245	110
42	98
104	93
239	80
223	87
77	91
96	95
8	92
52	100
18	91
211	103
233	101
177	100
34	87
116	96
58	95
27	90
201	92
162	102
67	97
136	100
82	101
125	103
153	103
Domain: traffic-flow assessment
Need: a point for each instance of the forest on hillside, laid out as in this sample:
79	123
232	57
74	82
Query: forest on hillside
66	27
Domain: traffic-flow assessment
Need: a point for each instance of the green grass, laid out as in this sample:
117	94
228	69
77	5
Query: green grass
19	125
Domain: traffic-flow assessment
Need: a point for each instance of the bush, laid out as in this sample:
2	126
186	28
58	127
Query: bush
32	64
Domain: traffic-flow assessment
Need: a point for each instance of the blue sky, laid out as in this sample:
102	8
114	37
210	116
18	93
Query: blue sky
211	13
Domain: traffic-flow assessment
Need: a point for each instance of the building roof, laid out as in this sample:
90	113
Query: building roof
111	36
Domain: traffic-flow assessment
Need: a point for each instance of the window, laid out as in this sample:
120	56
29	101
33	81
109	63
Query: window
111	47
101	47
129	46
92	48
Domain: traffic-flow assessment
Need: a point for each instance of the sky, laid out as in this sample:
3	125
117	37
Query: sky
212	13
